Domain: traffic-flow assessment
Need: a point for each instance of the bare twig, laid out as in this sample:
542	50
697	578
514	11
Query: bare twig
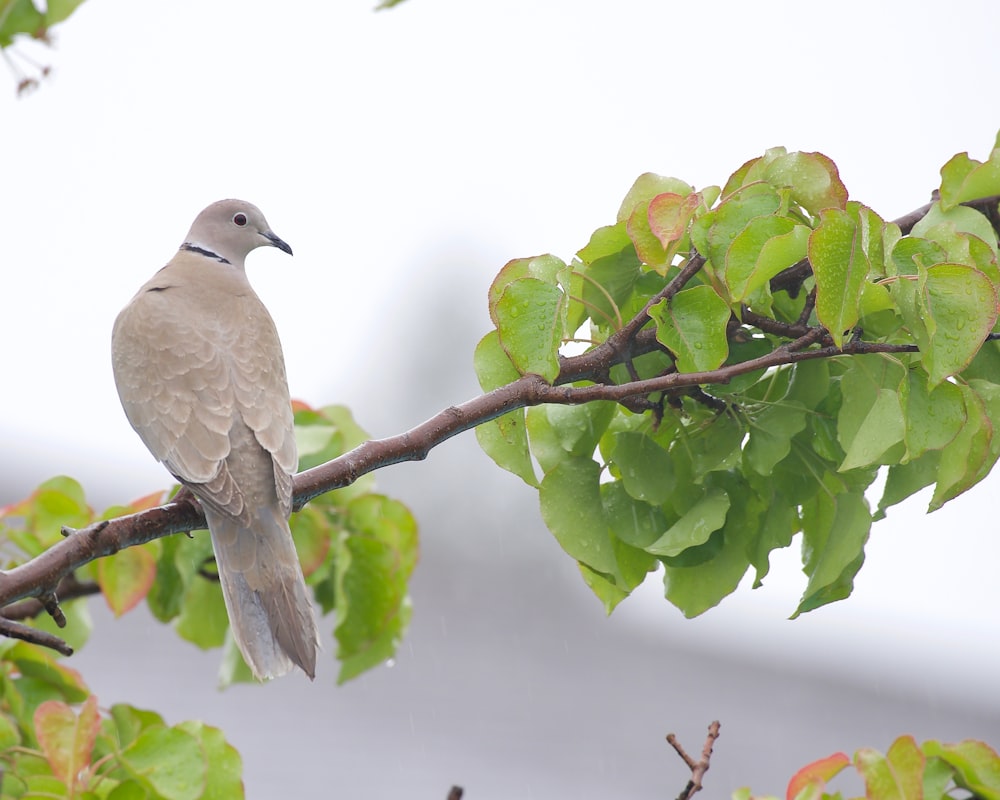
455	793
15	630
698	768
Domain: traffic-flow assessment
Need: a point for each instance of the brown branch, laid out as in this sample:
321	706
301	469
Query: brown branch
15	630
698	768
41	577
69	588
455	793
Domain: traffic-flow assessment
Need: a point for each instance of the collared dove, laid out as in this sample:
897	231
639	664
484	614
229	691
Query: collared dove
201	377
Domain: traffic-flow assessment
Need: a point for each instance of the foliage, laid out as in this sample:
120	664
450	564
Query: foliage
777	266
56	742
357	550
907	771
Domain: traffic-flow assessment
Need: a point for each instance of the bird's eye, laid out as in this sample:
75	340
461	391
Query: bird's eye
240	219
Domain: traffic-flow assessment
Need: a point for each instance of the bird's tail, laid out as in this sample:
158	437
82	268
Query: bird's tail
269	610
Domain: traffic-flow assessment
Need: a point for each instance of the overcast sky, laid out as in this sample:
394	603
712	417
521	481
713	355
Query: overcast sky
385	146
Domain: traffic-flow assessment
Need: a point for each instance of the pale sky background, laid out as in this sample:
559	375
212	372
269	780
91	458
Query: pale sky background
386	148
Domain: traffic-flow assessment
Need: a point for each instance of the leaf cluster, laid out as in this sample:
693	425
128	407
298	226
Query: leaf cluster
908	771
56	742
775	344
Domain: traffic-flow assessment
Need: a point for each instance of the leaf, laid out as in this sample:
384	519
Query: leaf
633	521
646	469
714	232
504	439
169	761
313	530
695	588
610	281
840	266
835	527
646	187
570	498
224	765
669	215
964	178
692	325
203	620
976	765
896	776
813	179
33	662
126	577
559	432
870	422
530	319
949	309
708	514
765	247
374	562
933	416
66	739
963	458
816	775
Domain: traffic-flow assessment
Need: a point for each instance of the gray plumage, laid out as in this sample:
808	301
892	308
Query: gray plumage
200	374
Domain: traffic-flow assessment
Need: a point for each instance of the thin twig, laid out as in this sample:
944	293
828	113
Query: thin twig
15	630
698	768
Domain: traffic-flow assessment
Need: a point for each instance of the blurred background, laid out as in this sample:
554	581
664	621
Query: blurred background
406	156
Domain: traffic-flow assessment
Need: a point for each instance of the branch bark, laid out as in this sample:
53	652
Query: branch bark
41	576
700	767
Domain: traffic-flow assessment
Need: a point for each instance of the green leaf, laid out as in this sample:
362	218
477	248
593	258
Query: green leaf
714	232
126	577
647	245
504	439
933	416
374	563
708	514
530	319
976	765
949	313
130	722
33	662
695	588
813	179
870	422
559	432
813	777
765	247
607	591
634	522
570	497
692	325
646	468
964	178
168	761
963	458
772	429
904	480
840	266
609	283
203	620
896	776
225	767
165	596
835	526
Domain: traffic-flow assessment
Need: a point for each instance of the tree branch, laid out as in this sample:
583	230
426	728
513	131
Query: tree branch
44	575
698	768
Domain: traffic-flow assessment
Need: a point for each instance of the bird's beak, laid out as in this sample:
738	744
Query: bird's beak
281	244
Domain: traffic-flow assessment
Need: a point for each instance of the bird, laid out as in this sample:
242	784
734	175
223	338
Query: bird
201	376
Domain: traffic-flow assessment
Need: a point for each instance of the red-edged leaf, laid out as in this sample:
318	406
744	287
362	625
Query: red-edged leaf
815	775
125	578
67	739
